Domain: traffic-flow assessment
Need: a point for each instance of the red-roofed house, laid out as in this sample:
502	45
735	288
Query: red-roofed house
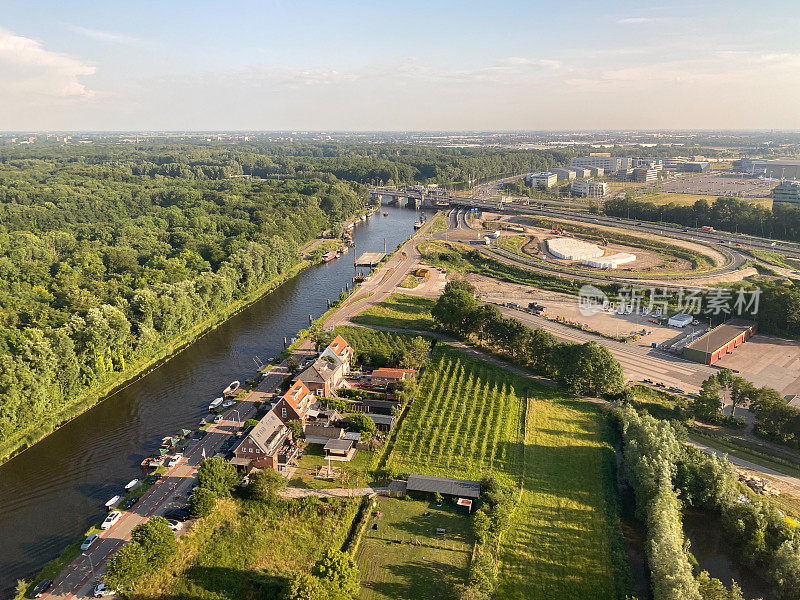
385	375
340	351
295	403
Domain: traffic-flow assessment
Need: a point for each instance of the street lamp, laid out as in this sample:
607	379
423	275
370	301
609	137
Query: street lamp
238	416
91	564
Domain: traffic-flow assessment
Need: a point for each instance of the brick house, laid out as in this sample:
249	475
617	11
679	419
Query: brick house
385	376
268	445
341	352
322	377
295	403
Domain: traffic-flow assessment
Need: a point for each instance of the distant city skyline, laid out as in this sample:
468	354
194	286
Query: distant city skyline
375	66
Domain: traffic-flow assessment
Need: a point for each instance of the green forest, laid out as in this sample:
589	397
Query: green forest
109	252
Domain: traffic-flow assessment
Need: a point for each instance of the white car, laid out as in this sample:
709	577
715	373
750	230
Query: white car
175	460
174	525
112	518
228	403
101	589
87	543
217	419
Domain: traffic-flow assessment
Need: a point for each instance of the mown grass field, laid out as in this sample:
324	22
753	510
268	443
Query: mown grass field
393	567
401	311
466	421
565	540
248	549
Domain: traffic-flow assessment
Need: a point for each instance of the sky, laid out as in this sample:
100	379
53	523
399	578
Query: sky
397	66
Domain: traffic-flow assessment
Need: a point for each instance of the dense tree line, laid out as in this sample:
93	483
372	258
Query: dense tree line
725	214
581	368
775	420
103	262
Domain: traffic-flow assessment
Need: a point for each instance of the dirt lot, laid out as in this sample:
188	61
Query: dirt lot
562	305
767	360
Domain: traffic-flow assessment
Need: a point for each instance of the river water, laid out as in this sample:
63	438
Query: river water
51	493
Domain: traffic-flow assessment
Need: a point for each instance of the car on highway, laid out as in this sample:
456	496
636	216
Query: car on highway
130	502
101	589
178	514
112	518
175	460
174	525
87	543
41	588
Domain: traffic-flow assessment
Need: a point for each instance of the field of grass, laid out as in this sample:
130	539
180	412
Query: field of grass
399	310
774	258
439	223
410	282
355	473
393	567
466	421
512	243
248	549
564	540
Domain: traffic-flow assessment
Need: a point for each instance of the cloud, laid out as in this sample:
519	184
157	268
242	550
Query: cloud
637	20
28	70
107	36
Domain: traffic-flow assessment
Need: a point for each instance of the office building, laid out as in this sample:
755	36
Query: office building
788	192
546	179
672	162
643	175
648	162
580	172
565	174
778	169
609	164
693	167
589	188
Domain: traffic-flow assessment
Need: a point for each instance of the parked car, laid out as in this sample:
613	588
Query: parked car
228	403
130	502
178	514
154	478
112	518
174	525
175	460
101	589
87	543
41	588
217	419
199	434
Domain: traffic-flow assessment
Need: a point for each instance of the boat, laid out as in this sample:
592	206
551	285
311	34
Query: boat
386	214
417	224
131	484
215	404
113	502
329	256
231	389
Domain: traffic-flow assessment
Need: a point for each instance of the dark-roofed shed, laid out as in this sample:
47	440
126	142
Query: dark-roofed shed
449	486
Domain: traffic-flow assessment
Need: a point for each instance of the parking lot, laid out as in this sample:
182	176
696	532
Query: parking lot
767	361
718	183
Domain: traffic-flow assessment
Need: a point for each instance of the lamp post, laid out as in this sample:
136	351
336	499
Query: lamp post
238	416
91	564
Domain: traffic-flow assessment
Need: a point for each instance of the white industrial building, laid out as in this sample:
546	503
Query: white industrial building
572	249
778	169
610	262
609	164
643	175
680	320
788	192
565	174
546	179
589	188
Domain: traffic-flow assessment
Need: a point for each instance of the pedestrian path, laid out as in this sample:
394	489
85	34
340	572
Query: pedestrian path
294	493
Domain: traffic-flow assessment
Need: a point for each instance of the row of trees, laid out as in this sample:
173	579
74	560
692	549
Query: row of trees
581	368
775	419
726	214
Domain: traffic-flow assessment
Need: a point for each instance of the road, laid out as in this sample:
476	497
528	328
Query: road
77	580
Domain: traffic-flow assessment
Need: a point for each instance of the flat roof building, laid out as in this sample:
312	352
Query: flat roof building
580	171
545	180
607	163
694	167
565	174
715	344
787	192
643	175
680	320
589	188
778	169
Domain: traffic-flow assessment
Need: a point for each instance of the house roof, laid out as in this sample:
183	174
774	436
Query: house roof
341	445
722	335
319	370
339	347
464	488
266	432
381	419
295	394
387	373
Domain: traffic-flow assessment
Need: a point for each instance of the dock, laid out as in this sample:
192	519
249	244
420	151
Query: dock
370	259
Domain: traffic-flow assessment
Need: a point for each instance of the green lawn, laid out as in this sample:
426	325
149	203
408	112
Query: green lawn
466	421
399	310
393	567
411	282
355	473
248	549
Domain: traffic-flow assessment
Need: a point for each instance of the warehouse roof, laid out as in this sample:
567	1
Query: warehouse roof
720	336
444	485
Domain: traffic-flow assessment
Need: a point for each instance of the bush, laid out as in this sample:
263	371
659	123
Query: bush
251	423
203	502
265	484
218	476
361	423
151	547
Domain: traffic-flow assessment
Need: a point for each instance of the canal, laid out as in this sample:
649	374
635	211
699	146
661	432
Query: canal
51	493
